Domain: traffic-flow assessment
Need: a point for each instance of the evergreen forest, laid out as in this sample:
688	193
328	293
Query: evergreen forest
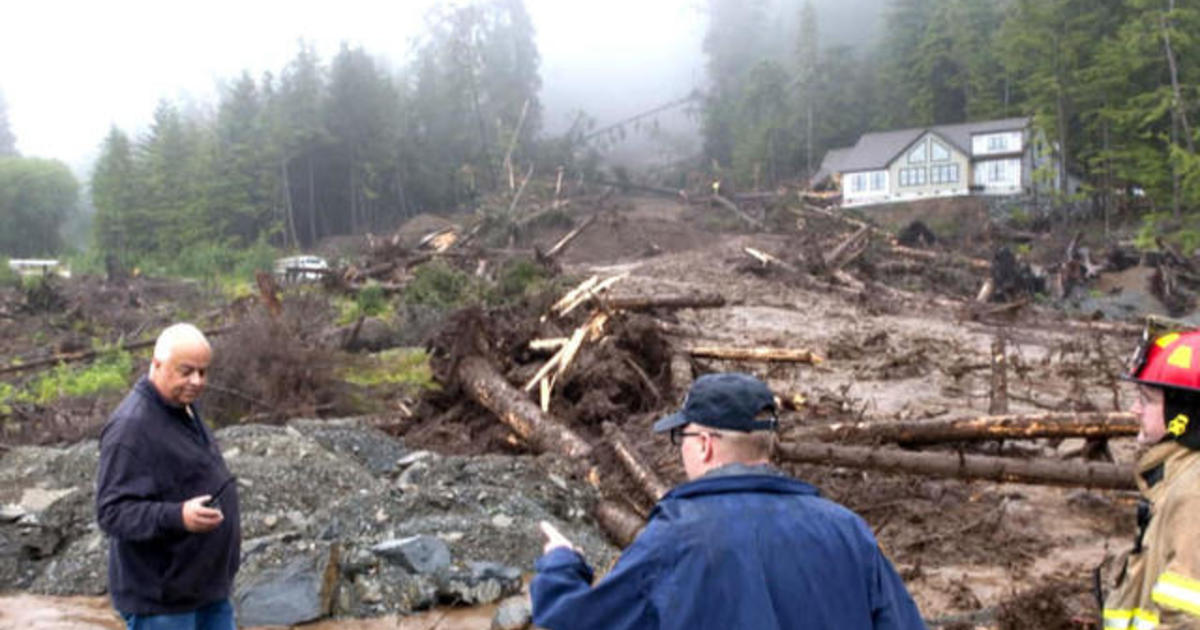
356	143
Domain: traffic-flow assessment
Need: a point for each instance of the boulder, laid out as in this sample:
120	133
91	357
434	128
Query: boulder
375	450
514	613
291	584
421	555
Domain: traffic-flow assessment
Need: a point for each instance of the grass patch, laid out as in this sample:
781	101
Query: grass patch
403	369
108	372
370	301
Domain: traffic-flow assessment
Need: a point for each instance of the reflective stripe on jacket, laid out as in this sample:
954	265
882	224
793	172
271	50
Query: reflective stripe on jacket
1159	587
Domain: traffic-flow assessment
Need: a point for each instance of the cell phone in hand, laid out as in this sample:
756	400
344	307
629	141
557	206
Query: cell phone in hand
215	500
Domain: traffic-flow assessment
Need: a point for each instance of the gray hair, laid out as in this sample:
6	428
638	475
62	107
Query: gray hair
172	337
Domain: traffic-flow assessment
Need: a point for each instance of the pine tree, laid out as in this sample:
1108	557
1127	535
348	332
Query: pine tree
8	141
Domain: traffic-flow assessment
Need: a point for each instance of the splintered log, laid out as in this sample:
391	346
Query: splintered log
681	374
998	394
755	354
732	207
644	475
620	523
847	249
513	408
646	303
562	244
986	291
974	263
956	465
767	260
1027	426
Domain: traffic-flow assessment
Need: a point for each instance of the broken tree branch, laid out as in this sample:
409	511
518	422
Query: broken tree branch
566	240
1016	426
651	302
619	522
755	354
487	387
838	257
91	354
732	207
956	465
644	475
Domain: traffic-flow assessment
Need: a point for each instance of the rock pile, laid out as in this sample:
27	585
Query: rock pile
338	519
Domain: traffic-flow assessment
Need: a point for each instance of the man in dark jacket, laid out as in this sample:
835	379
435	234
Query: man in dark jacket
740	546
166	499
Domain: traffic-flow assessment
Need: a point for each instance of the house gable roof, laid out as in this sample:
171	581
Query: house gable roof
875	151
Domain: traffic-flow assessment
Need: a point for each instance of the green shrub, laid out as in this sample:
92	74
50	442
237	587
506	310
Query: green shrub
370	301
8	277
438	285
518	278
108	372
404	367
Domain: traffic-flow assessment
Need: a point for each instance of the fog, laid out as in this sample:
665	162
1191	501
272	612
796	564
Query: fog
69	69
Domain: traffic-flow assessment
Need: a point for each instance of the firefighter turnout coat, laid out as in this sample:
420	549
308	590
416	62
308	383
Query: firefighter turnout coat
1159	586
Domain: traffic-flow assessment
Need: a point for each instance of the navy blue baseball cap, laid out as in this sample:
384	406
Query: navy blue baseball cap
730	400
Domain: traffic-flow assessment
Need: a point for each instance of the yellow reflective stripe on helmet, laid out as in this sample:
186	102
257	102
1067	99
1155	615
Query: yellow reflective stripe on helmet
1166	340
1177	591
1181	357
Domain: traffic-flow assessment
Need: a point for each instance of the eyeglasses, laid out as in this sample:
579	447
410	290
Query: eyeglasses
677	435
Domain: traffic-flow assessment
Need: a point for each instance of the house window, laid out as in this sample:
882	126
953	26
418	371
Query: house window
879	180
998	142
938	152
943	174
917	154
996	172
858	182
912	176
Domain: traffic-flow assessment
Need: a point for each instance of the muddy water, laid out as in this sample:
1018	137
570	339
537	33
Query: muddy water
35	612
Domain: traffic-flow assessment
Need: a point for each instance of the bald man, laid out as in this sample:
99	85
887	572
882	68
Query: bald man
166	499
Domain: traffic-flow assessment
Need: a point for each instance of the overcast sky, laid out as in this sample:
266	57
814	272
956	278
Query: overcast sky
69	69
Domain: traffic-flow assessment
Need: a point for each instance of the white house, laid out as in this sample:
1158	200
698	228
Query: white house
994	157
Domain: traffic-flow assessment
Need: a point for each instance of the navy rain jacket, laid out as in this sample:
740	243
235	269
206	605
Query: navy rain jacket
750	551
153	457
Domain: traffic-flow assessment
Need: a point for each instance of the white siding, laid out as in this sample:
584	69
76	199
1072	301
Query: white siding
997	177
864	187
993	143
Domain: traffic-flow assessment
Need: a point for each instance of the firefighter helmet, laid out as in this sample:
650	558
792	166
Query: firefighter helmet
1170	360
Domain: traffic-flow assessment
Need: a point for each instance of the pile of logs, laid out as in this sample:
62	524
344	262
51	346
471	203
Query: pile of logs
886	446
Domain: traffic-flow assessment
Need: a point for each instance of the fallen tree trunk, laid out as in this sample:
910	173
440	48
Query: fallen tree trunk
646	478
755	354
732	207
91	354
562	244
620	523
650	302
513	408
956	465
1007	427
846	250
974	263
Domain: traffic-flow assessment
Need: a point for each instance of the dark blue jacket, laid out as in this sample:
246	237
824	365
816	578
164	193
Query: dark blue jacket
153	457
744	552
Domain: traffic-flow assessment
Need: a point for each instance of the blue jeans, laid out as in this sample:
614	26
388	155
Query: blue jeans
214	616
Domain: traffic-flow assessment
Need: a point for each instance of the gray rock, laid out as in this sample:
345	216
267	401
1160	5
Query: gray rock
514	613
422	555
377	451
298	590
80	569
483	583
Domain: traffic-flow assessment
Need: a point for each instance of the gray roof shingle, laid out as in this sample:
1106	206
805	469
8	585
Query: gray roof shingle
876	150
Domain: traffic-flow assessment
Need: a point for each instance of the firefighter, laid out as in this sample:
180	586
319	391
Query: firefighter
1158	585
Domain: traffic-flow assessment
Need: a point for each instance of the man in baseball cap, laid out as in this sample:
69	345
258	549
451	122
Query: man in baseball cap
740	545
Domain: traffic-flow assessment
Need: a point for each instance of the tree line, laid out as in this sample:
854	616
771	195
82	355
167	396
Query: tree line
1113	83
322	149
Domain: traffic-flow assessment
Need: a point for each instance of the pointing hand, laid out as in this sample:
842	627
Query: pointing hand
554	538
